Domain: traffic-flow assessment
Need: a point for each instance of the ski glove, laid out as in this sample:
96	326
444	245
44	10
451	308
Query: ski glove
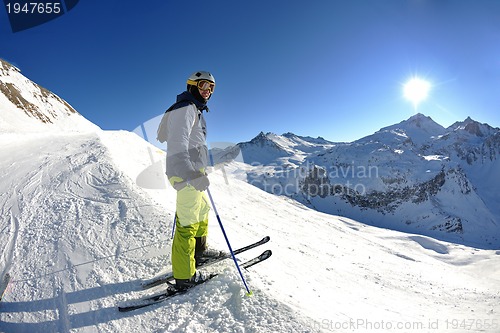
200	183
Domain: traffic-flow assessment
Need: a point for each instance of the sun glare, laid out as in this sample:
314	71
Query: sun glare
416	90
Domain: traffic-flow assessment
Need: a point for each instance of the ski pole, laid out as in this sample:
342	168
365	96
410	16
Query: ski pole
249	292
173	226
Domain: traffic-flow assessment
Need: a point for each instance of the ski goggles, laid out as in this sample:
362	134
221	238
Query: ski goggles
203	85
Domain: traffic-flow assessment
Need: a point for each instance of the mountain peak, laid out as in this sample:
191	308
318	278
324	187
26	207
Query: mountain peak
5	67
261	137
418	127
422	121
317	140
26	106
289	135
418	121
472	126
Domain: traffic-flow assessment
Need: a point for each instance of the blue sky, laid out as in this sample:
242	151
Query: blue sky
319	68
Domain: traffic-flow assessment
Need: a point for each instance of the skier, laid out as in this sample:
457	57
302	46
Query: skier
184	129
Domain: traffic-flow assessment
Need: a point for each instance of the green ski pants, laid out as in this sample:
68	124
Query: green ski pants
192	222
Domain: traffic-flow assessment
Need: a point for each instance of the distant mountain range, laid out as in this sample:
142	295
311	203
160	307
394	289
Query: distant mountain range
415	176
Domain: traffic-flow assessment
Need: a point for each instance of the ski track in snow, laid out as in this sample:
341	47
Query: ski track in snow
79	233
12	229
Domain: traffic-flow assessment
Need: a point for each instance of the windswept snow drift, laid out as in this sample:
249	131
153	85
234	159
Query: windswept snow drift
79	232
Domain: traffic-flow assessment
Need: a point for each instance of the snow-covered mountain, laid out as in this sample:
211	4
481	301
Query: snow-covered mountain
27	107
77	231
415	176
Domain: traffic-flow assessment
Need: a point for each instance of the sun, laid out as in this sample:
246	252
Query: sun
416	90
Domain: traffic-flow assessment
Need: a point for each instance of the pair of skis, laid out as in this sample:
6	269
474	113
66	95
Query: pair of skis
169	276
167	279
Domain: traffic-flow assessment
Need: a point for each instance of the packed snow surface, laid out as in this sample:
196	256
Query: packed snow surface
86	215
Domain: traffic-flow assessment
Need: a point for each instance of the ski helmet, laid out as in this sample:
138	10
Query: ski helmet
201	75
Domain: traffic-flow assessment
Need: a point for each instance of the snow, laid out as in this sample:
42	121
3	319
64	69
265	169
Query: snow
80	231
31	108
434	157
418	127
452	178
86	214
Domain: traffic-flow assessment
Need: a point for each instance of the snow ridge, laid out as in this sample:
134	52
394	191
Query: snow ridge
27	107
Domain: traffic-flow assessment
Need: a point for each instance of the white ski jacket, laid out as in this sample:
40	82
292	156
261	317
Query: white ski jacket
187	152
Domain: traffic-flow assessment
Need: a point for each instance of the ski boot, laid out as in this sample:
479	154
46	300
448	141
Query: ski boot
197	278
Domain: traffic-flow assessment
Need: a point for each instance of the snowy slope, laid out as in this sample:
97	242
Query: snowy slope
79	232
27	107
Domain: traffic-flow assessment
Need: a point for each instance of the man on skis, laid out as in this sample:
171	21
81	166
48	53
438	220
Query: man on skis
184	128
